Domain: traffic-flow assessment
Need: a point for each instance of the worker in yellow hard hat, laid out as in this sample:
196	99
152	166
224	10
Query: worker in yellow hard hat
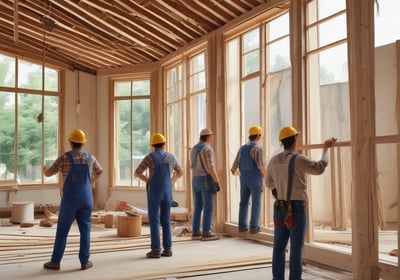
286	177
161	165
250	160
205	183
79	170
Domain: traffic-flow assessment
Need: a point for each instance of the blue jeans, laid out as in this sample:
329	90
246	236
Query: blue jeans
203	202
69	211
296	235
159	210
247	189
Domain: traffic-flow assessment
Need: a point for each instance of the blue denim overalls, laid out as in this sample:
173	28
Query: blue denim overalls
251	183
76	203
159	199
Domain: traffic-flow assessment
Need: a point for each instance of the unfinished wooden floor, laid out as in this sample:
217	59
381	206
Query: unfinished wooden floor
24	250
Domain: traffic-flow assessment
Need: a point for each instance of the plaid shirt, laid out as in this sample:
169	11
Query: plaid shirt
256	153
207	158
63	164
147	163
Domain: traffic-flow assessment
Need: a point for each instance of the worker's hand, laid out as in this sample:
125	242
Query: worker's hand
274	193
329	143
217	188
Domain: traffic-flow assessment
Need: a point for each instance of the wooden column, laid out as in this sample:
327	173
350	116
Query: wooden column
398	153
360	34
297	58
217	122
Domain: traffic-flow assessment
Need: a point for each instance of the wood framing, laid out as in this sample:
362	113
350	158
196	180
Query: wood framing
360	26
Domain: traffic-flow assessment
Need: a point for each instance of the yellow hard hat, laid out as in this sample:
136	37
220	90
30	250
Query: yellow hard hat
158	138
287	132
255	130
77	136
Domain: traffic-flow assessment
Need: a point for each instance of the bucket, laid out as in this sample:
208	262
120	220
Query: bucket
22	212
129	226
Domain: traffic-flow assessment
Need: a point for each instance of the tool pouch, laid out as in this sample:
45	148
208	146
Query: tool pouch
210	184
283	214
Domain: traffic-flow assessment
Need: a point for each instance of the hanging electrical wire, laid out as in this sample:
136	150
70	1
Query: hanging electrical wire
78	101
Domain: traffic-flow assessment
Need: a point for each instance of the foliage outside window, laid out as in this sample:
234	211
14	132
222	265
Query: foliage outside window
131	129
29	118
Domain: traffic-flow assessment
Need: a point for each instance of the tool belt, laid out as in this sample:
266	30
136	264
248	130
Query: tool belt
283	216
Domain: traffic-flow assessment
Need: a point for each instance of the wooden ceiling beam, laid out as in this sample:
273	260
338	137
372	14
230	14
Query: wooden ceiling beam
95	18
176	20
117	12
152	16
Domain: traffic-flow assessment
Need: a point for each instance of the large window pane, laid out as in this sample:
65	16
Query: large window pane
122	89
174	83
251	63
251	103
278	27
140	88
386	22
279	113
176	136
29	75
332	30
333	65
37	128
279	55
251	52
123	141
328	7
7	71
198	113
7	135
251	40
51	127
131	129
29	150
51	80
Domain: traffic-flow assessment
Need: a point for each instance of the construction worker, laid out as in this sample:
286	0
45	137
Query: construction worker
162	165
79	171
205	184
250	161
286	177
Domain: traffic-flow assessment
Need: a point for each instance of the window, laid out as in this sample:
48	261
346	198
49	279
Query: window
131	129
327	109
278	84
29	117
258	92
186	107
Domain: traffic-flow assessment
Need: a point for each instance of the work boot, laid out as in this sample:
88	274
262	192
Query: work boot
52	265
209	236
154	254
166	253
87	265
196	235
254	230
